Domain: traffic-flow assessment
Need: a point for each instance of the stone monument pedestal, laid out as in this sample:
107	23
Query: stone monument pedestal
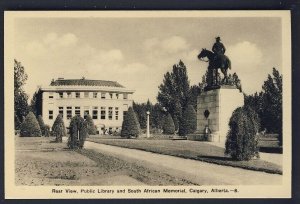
214	109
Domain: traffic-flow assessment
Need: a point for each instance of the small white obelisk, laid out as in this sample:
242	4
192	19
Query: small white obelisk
148	124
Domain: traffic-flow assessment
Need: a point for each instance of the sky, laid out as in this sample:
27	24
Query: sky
138	52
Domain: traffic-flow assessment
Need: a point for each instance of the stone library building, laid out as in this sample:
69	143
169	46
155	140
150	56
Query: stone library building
105	101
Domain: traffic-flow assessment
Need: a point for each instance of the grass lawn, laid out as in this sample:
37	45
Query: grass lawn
201	151
39	161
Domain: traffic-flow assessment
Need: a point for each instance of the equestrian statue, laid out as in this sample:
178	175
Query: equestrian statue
216	60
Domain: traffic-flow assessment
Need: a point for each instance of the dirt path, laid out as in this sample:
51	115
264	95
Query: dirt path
200	173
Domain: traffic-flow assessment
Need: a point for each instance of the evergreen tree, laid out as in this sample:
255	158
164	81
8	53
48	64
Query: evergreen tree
58	128
174	91
41	124
271	116
36	103
268	104
78	132
20	97
91	128
242	140
130	125
168	126
157	116
140	110
194	93
30	127
189	121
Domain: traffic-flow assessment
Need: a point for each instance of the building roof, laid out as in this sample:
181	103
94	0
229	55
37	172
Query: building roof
84	82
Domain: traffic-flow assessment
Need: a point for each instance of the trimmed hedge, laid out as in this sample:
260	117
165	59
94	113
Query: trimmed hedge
78	132
58	128
92	130
30	127
168	125
242	138
130	125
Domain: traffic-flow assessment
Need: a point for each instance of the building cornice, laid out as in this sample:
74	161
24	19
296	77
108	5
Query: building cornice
85	88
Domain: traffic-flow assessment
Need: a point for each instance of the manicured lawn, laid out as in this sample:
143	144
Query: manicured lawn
201	151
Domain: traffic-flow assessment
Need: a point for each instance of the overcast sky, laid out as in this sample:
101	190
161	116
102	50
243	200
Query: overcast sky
137	52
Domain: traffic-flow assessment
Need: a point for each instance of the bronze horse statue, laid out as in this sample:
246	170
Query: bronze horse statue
216	62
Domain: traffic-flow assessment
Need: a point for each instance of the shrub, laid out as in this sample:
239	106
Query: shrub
92	130
130	125
58	128
242	138
78	132
30	127
46	130
188	123
168	125
42	124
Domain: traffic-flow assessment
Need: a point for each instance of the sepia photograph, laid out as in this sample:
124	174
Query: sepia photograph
147	104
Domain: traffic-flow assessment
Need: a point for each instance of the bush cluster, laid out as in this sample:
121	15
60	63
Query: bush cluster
58	128
30	127
242	138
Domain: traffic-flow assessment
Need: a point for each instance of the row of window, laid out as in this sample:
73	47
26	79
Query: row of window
87	95
96	114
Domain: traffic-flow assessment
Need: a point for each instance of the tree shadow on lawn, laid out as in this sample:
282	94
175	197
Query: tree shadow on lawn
224	158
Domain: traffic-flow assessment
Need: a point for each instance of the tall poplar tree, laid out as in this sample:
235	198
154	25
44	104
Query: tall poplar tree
20	97
174	92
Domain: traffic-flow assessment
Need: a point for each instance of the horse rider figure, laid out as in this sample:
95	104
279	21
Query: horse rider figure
218	48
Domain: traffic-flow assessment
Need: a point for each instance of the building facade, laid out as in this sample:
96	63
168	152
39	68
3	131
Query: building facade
105	101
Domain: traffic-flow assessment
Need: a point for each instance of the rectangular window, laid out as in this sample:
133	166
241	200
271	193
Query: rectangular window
102	95
61	111
117	113
110	113
95	94
77	94
110	95
103	113
50	96
61	94
50	114
69	112
125	96
77	110
117	96
86	94
69	94
86	112
95	114
124	114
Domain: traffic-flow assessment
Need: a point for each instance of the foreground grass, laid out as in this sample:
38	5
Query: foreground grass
190	150
39	161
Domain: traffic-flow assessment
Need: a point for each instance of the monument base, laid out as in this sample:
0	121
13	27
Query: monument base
214	109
